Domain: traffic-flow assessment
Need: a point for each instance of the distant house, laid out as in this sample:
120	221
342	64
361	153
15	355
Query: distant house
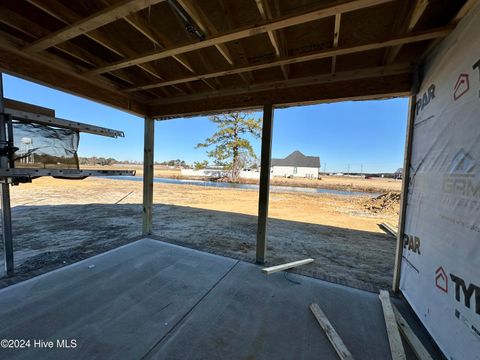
296	165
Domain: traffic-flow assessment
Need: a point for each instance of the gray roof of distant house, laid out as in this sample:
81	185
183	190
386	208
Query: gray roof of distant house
297	159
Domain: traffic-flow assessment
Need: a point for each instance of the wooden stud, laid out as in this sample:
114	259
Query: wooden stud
410	337
277	268
248	31
92	22
404	194
335	339
421	36
394	339
148	162
264	191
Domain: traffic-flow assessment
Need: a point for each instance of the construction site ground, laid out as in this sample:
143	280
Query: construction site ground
57	222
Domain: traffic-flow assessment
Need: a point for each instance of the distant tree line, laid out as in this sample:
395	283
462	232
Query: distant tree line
176	163
97	161
94	160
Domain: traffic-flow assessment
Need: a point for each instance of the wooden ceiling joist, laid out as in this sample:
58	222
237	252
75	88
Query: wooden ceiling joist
265	12
253	30
188	56
336	35
360	89
421	36
58	75
92	22
415	14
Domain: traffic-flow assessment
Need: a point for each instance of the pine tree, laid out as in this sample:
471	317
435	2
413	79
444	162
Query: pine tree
230	147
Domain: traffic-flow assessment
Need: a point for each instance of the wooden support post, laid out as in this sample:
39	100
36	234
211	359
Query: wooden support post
148	175
404	196
267	130
5	191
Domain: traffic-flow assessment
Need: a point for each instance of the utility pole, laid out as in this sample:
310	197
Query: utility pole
348	169
325	168
361	168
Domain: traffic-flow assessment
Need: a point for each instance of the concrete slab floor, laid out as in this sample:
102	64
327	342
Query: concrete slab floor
155	300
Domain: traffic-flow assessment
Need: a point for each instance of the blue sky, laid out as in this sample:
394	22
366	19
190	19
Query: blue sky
368	133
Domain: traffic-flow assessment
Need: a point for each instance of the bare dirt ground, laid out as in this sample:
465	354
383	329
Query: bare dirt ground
57	222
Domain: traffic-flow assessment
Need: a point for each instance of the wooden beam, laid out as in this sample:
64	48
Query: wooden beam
68	16
207	27
264	191
49	72
421	36
362	89
138	23
394	339
272	35
148	161
94	21
332	335
466	8
336	35
22	106
404	194
388	229
415	14
277	268
303	81
409	335
5	209
248	31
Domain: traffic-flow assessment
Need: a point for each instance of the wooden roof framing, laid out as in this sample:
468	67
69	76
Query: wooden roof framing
165	58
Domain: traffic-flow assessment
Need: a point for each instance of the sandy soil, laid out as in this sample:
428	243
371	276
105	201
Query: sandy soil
57	222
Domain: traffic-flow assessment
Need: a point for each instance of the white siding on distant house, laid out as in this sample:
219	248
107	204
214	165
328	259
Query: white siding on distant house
285	171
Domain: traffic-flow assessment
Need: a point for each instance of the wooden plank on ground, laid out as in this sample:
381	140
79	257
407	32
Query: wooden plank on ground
277	268
396	346
332	335
388	228
409	335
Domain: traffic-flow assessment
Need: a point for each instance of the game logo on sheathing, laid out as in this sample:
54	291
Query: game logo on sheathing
440	275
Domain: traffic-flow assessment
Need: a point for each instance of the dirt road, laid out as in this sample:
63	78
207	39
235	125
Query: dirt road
60	221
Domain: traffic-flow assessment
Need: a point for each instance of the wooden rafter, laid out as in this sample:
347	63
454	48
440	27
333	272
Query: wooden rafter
242	33
420	36
92	22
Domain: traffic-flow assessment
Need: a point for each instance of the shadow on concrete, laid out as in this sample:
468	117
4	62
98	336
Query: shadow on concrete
50	236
